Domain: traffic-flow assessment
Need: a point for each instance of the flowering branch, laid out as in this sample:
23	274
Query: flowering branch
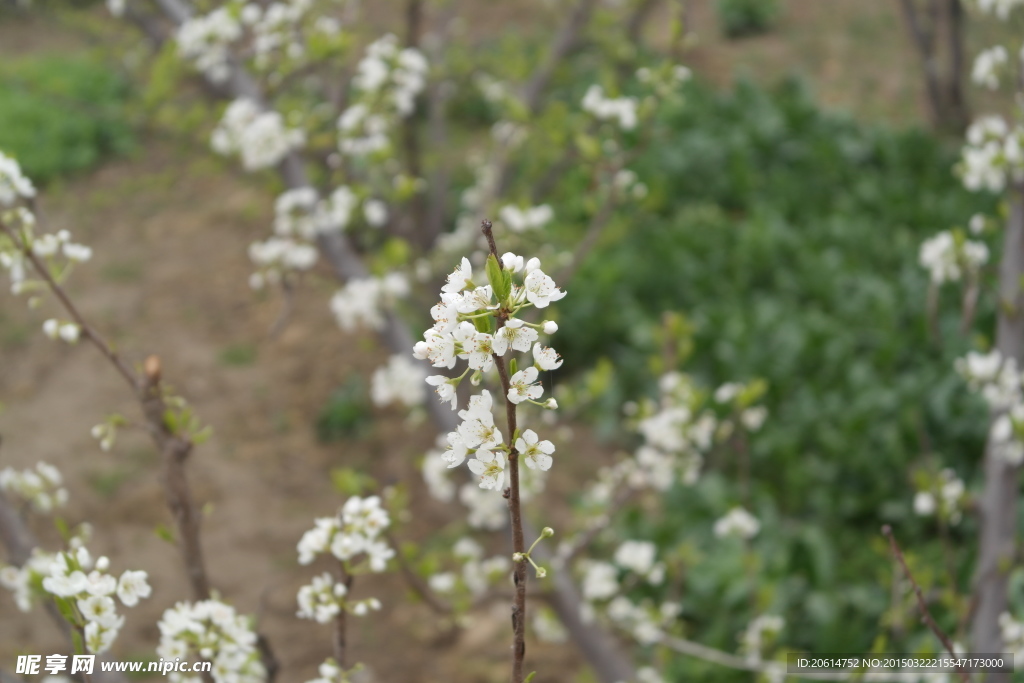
515	508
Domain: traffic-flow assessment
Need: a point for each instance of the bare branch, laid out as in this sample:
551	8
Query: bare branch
922	604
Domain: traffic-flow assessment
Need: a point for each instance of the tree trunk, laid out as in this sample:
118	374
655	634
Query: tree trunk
999	500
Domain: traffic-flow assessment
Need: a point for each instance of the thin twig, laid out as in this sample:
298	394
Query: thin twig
515	508
922	604
341	621
416	584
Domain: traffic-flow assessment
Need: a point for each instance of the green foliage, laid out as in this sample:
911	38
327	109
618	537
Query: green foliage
789	238
746	17
61	114
346	414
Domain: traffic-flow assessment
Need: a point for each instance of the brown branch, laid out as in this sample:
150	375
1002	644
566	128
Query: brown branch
515	507
416	584
86	330
565	42
638	20
174	451
999	499
173	448
922	604
341	621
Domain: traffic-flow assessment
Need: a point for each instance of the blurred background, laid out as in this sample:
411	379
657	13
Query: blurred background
788	192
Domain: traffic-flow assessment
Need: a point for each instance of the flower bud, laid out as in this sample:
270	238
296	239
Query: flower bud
541	572
518	557
547	532
551	404
550	327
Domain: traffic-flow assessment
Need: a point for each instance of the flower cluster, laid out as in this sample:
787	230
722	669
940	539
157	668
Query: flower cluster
396	74
41	488
944	496
352	537
204	41
993	155
521	220
400	381
478	573
387	80
645	621
215	632
14	186
639	558
82	587
676	434
1001	384
987	66
601	579
300	216
949	255
324	599
737	523
363	301
259	137
622	110
353	532
464	329
57	252
278	34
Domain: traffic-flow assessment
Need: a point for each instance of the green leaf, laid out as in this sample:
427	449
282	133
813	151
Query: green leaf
530	677
163	532
500	281
513	367
350	482
484	324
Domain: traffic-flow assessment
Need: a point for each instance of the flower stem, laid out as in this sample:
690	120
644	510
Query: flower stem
512	494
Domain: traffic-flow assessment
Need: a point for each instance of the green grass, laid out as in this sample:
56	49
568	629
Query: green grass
61	114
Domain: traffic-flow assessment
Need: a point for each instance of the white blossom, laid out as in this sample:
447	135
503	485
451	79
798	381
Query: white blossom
132	586
363	302
400	381
546	358
622	110
946	258
522	386
204	40
541	289
41	487
987	66
259	137
376	212
536	453
738	523
490	467
214	631
600	581
521	220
